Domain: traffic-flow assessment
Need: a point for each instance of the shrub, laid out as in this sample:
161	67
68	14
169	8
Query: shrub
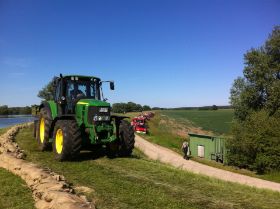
256	143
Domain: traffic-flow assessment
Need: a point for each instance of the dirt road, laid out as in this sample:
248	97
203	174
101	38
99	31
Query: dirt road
168	156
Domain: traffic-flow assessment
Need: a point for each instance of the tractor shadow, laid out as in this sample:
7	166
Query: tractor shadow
87	155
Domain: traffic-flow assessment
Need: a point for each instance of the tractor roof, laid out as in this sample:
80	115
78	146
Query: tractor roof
80	76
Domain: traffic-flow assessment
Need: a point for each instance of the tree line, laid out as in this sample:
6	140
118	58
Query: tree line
5	110
255	98
129	107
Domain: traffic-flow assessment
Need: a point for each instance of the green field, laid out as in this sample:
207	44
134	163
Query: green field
138	182
218	121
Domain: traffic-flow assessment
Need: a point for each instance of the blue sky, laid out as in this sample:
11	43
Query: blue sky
161	53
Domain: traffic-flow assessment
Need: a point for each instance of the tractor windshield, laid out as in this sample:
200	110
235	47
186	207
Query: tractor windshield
82	89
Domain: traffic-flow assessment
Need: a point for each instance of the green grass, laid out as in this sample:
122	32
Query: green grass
3	130
218	121
14	193
137	182
273	176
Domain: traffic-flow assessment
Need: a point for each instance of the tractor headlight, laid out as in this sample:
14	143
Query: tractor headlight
98	114
104	109
101	118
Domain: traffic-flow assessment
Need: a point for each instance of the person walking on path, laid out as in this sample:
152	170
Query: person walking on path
185	148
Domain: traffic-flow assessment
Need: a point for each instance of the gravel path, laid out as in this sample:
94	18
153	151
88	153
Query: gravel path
168	156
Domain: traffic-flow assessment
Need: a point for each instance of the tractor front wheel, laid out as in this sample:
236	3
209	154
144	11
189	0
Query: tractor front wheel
67	140
126	137
125	143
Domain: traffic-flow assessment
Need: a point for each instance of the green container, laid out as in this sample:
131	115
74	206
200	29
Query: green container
208	147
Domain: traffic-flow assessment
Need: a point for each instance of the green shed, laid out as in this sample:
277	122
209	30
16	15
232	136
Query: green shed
208	147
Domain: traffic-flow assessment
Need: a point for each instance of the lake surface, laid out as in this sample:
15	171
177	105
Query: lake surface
11	120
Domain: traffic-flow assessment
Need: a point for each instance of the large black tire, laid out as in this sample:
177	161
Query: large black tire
112	149
126	137
67	141
43	129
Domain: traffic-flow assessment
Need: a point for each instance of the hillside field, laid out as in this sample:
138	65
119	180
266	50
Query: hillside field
138	182
217	121
169	129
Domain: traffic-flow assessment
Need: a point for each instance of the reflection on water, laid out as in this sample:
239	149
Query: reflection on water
11	120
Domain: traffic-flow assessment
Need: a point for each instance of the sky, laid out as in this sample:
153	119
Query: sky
162	53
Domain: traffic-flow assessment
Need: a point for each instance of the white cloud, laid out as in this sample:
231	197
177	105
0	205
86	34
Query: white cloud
16	73
14	62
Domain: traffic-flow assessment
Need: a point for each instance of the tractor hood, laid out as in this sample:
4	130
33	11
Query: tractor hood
93	102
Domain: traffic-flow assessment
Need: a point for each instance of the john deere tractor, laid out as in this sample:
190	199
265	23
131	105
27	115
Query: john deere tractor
78	118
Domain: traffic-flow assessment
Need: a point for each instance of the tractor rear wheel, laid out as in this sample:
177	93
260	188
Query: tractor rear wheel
43	129
67	141
126	138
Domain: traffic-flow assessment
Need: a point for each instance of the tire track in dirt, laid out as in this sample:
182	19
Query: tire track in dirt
49	190
165	155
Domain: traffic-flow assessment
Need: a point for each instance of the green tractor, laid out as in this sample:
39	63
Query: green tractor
79	118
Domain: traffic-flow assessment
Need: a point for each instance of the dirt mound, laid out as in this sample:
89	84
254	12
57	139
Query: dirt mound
50	190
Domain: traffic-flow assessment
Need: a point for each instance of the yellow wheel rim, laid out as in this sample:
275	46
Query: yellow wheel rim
42	130
59	141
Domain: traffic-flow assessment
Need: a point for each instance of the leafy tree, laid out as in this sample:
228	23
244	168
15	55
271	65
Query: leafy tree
214	107
260	86
256	102
255	142
128	107
47	91
4	110
146	108
119	107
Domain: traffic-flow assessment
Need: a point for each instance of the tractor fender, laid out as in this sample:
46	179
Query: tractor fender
51	108
118	118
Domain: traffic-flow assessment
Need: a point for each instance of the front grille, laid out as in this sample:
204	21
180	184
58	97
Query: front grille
95	111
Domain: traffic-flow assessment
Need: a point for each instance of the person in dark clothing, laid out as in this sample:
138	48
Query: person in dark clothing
185	148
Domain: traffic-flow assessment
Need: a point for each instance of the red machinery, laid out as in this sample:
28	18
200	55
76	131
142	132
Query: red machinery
138	124
140	129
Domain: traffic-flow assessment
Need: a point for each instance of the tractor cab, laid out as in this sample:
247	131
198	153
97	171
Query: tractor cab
69	90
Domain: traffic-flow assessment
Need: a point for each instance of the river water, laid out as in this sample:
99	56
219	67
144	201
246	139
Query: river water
11	120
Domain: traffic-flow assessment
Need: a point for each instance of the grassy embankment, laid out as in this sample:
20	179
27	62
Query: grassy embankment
3	130
138	182
166	124
14	192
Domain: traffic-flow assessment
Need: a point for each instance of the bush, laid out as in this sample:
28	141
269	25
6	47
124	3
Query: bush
256	143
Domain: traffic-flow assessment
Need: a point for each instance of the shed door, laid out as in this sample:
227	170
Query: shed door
200	151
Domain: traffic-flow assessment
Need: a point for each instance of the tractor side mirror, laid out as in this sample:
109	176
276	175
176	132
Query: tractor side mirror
112	85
